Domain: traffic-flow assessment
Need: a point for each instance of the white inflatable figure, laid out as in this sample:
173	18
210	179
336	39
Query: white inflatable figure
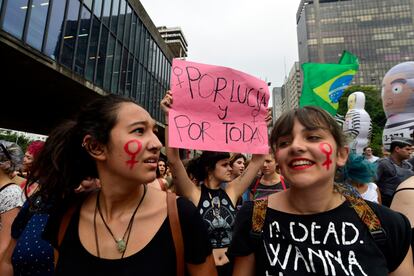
357	123
398	102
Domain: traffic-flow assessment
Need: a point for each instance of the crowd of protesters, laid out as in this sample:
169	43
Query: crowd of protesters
98	199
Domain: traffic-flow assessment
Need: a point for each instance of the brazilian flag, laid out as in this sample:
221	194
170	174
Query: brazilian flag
324	83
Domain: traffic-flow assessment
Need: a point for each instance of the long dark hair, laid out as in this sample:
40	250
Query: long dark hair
64	161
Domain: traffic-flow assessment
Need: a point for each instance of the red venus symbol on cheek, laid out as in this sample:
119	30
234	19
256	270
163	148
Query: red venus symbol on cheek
132	148
327	150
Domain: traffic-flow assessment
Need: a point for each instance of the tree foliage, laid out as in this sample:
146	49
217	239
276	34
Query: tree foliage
11	136
373	105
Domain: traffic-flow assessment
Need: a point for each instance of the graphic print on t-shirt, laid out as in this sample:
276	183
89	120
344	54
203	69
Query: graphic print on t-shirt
219	218
298	247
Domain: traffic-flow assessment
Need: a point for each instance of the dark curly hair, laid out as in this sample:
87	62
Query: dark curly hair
207	163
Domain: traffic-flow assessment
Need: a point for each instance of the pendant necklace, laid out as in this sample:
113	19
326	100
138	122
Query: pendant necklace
216	209
121	244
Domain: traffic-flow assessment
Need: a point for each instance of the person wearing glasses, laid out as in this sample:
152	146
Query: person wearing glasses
11	157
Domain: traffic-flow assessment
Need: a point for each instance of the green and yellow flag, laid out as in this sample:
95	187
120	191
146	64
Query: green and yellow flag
324	83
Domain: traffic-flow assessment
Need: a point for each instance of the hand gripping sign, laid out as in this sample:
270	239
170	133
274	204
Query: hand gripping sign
217	108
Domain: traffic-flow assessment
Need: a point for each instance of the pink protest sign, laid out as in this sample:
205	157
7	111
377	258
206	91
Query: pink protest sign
217	108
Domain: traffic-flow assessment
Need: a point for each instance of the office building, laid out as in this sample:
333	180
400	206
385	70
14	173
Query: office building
175	40
379	32
277	103
293	86
58	54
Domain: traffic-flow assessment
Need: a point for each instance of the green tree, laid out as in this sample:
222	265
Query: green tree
373	105
10	136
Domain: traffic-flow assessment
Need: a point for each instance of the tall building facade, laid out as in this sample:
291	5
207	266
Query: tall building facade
293	86
277	103
69	51
379	32
175	40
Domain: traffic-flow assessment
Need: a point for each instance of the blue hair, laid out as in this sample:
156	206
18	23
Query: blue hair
358	169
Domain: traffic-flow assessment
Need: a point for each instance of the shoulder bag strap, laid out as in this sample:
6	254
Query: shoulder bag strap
62	231
258	217
365	213
176	231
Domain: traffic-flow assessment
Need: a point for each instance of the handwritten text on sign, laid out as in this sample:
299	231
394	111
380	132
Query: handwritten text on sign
217	108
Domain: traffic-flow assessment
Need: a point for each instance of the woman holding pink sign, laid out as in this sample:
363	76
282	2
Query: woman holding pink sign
217	205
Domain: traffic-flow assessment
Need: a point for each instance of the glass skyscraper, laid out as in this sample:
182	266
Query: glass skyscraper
379	32
110	46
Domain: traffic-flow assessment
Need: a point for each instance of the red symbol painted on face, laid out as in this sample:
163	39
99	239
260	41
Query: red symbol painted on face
132	148
327	150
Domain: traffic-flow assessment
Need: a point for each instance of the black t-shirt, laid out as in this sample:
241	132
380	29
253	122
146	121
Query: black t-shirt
335	242
219	214
156	258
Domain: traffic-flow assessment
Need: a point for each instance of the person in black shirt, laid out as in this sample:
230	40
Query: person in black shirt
313	227
123	227
217	205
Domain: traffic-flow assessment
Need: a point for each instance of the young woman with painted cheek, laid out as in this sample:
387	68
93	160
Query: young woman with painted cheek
315	214
133	147
123	226
308	156
216	202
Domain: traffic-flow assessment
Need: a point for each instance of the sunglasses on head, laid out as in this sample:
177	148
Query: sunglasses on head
6	152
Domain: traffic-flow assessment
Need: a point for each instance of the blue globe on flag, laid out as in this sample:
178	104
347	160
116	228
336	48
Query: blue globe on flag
338	87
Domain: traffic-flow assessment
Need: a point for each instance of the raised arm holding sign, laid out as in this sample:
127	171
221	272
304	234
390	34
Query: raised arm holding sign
204	116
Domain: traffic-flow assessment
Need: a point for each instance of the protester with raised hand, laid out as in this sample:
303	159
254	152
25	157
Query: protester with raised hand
216	205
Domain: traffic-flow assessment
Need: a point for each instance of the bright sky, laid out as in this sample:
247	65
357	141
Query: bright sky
257	37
